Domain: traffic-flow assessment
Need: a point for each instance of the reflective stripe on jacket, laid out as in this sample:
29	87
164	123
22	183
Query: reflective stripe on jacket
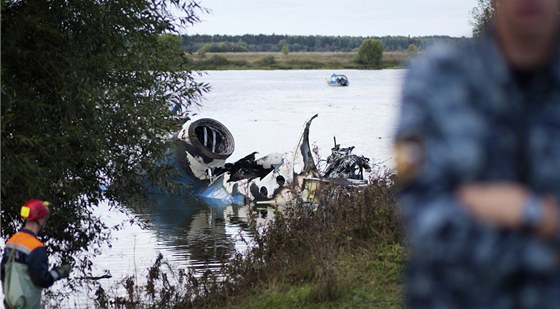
24	242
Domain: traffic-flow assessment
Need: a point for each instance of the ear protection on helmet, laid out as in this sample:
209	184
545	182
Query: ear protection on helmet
34	210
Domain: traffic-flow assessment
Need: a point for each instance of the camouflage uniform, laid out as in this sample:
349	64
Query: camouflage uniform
472	119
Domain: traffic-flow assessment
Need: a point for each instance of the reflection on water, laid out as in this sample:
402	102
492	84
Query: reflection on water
199	235
191	233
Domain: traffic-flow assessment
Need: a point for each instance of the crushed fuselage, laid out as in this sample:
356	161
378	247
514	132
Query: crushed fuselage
202	147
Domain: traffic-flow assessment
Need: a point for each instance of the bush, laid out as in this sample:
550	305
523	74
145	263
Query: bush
370	53
217	60
268	61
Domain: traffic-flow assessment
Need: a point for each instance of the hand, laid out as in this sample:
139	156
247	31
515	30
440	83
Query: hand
63	271
501	204
497	203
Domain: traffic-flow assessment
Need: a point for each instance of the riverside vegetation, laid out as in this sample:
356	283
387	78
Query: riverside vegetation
296	60
226	52
345	253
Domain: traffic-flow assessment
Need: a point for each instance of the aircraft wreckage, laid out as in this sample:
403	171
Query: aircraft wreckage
203	145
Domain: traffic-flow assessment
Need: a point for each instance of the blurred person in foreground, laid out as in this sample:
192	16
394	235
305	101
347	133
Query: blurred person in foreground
24	268
478	153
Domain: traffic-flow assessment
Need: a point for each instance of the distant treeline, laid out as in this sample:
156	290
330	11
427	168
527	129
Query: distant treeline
310	43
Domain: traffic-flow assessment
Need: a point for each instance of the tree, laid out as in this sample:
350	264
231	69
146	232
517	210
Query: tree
285	49
172	43
86	93
482	15
412	49
370	53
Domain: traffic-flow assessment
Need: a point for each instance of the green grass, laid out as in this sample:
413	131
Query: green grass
279	61
365	281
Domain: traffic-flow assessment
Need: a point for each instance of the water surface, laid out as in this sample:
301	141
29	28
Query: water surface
265	111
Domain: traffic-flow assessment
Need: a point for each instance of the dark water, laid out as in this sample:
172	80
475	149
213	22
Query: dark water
265	111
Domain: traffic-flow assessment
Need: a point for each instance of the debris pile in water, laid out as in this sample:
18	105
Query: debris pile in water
204	145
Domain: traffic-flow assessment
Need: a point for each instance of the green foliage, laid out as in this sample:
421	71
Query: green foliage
223	47
216	60
412	49
86	93
267	61
295	61
285	49
482	15
370	53
171	45
301	43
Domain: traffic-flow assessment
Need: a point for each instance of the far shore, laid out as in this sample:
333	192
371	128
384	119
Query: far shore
291	61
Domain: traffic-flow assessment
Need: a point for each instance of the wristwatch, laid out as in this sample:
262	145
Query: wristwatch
532	214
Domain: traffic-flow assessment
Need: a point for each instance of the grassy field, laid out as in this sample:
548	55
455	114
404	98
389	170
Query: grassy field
270	61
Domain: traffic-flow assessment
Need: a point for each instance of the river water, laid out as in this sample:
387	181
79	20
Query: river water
265	112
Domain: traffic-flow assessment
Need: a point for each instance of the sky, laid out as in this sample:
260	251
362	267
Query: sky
336	17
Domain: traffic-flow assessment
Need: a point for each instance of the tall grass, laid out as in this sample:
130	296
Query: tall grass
346	252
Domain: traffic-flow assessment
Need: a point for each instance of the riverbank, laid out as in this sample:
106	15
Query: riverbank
345	253
291	61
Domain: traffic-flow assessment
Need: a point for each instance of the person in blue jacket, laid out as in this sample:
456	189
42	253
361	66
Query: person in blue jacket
478	155
24	267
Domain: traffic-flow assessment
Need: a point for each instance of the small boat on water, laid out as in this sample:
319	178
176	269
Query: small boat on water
338	80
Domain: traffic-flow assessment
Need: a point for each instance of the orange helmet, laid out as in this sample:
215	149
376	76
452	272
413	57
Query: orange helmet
35	210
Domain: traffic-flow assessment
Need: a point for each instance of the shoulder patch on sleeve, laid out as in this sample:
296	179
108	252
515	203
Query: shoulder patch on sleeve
409	157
